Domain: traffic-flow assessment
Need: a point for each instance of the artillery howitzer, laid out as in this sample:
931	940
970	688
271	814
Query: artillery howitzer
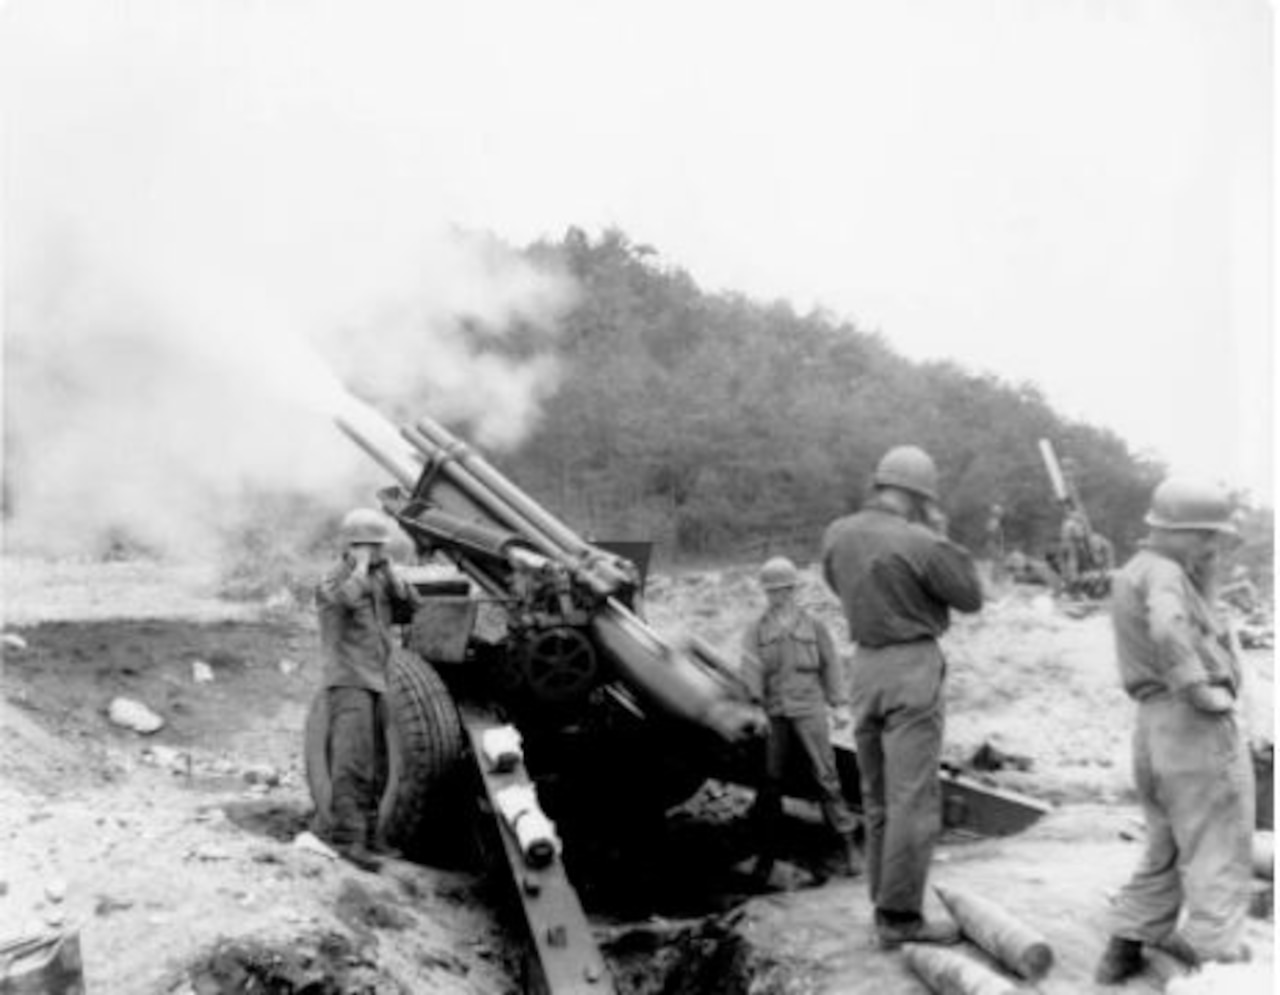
612	717
1084	558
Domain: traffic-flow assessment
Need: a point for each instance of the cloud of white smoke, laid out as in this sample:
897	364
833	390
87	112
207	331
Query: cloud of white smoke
213	231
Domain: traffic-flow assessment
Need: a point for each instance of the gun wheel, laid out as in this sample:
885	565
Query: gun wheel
424	747
560	665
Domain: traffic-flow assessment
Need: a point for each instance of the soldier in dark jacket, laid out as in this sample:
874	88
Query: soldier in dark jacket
791	665
355	602
898	577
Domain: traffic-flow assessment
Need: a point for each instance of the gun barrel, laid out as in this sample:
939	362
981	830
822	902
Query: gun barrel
398	465
503	489
481	499
500	499
1055	471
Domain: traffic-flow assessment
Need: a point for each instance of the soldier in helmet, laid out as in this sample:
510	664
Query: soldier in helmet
898	576
791	664
355	601
1190	893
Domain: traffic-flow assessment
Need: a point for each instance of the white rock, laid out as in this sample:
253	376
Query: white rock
307	840
210	851
281	600
55	889
289	667
134	715
165	756
12	641
201	672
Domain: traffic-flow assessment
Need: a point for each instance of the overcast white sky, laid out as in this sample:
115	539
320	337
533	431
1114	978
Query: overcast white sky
1075	193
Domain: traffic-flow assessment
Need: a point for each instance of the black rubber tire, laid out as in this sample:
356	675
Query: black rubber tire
425	745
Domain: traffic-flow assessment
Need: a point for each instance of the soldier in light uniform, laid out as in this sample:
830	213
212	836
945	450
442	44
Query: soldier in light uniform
355	602
1190	752
790	662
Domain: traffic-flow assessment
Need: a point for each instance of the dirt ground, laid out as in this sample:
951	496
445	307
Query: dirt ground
174	856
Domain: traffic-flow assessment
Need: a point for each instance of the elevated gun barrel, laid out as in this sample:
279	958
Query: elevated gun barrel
1054	470
453	448
399	467
467	470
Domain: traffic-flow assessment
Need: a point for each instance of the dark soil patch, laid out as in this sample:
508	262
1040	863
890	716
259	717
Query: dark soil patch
71	670
708	955
692	861
365	910
326	964
275	820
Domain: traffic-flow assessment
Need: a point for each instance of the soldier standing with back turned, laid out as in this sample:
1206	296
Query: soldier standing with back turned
898	576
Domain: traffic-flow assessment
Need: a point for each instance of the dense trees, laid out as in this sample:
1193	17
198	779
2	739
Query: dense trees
711	423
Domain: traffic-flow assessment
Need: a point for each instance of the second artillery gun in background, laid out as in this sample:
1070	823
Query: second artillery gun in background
1084	558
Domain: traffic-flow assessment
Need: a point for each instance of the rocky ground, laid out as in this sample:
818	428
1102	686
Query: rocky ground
174	857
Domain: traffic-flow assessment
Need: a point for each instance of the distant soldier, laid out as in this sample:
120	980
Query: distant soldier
1073	547
995	533
993	542
1190	754
1101	553
792	666
355	602
898	576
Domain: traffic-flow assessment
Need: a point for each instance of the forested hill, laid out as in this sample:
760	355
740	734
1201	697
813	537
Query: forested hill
714	424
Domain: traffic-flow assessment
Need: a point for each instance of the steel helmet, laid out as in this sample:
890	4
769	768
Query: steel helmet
911	469
365	525
1184	505
778	573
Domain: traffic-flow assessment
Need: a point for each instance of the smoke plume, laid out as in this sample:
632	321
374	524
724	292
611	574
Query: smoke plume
216	239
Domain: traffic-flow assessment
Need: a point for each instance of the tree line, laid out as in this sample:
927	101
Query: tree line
713	424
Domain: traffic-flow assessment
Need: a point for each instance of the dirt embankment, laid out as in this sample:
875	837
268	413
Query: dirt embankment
173	853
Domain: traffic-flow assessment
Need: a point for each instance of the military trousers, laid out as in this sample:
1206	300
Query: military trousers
357	764
897	704
1195	782
807	735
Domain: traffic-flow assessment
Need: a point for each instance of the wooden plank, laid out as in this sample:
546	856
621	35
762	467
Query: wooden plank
967	803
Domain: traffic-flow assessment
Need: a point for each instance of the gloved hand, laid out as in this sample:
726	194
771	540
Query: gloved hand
841	718
1210	698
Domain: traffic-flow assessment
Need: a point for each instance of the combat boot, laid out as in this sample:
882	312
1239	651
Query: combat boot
1177	947
894	934
359	855
379	847
1120	961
